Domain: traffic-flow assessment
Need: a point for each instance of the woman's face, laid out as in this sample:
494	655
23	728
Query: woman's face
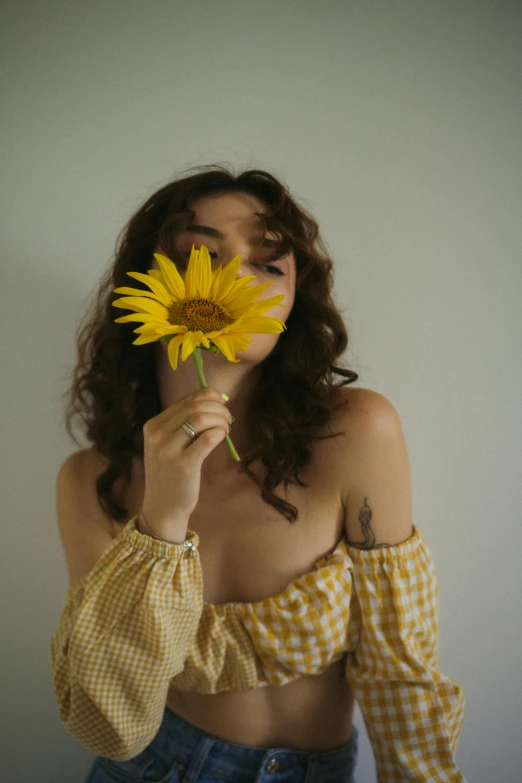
227	225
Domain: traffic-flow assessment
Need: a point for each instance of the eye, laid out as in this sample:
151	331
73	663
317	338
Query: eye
273	269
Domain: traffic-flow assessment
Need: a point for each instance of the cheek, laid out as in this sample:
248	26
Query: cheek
288	301
283	310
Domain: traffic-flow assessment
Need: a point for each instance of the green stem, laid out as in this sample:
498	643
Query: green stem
203	382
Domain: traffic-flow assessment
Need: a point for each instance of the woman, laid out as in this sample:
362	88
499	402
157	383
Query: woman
222	616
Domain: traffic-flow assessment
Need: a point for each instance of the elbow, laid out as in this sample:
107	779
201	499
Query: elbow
99	733
100	739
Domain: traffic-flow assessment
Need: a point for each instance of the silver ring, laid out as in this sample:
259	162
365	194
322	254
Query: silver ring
189	429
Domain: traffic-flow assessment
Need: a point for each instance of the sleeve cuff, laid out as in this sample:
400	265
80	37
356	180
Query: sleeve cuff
390	554
156	548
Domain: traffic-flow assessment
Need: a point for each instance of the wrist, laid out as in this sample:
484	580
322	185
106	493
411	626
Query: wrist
145	529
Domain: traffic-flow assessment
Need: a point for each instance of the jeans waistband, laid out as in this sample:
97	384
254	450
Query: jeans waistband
196	749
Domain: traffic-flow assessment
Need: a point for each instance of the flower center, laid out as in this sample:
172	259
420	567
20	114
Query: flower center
199	315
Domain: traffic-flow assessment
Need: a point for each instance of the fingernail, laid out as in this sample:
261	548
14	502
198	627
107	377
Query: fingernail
225	396
233	418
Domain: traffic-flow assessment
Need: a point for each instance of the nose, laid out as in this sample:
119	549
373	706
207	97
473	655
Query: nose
230	250
233	248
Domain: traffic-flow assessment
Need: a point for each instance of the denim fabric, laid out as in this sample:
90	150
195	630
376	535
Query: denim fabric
183	753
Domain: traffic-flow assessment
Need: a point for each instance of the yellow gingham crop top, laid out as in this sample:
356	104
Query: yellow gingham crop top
137	623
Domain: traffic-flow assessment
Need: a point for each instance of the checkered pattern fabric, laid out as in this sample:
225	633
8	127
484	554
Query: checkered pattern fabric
413	713
137	623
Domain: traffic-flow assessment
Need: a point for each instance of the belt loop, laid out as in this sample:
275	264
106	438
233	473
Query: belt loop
196	764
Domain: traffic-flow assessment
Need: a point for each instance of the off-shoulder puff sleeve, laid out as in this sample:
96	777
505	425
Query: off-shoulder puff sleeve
413	713
124	632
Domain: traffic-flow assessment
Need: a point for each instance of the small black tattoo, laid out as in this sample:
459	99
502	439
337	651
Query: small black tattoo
365	516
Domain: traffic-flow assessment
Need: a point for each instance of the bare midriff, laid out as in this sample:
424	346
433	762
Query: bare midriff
308	714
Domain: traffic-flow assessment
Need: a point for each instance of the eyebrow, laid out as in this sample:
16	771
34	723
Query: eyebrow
214	232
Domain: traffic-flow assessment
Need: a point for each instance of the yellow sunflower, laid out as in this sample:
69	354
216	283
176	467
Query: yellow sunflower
207	308
214	310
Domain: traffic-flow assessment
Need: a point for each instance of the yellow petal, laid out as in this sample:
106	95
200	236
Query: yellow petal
198	279
158	288
150	328
143	317
203	339
141	304
205	275
245	298
191	340
262	324
173	350
135	292
225	346
172	277
226	280
161	329
256	308
146	338
216	274
238	341
236	289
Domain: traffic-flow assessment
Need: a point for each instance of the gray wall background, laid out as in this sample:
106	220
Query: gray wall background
399	125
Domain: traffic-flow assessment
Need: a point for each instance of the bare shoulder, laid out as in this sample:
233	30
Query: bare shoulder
364	405
374	475
84	528
364	413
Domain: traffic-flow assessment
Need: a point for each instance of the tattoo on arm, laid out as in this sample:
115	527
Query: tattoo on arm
365	516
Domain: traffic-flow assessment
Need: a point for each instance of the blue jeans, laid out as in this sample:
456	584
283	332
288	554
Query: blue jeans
183	753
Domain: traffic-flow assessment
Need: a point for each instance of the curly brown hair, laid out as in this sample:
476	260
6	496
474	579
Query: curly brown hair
114	389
